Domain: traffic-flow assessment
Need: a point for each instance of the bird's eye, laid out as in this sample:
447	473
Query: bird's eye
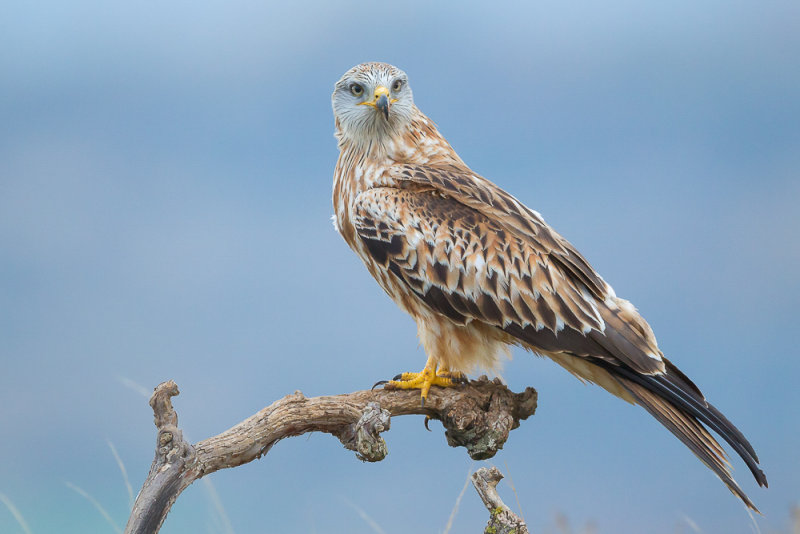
397	85
356	89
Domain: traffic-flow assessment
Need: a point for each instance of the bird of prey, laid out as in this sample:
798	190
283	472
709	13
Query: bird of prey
479	271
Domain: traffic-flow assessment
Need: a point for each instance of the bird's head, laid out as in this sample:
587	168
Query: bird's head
371	101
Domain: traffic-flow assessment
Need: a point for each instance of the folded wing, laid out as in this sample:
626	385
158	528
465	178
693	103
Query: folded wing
471	252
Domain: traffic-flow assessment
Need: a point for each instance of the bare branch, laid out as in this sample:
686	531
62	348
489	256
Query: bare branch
502	520
478	416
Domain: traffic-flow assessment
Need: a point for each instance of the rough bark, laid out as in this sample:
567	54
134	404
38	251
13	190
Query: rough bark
478	416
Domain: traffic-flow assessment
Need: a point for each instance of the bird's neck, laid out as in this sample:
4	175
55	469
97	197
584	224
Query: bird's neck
415	141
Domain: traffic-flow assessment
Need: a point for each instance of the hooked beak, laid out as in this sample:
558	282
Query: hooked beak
381	101
383	105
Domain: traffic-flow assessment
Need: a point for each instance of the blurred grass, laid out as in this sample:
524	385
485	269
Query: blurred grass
560	524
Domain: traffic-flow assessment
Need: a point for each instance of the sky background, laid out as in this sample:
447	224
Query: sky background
165	178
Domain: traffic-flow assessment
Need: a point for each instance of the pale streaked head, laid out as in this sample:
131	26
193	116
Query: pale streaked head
371	101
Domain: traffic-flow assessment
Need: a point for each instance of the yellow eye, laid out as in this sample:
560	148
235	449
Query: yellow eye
356	89
397	85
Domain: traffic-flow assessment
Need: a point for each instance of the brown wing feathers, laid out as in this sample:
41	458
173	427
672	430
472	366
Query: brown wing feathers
485	197
466	265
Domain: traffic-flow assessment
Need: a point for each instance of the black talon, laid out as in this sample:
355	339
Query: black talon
379	383
427	418
423	401
398	377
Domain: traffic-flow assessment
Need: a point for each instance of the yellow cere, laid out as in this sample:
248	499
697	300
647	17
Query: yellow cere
379	92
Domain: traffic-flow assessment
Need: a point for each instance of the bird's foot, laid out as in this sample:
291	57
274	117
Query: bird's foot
426	378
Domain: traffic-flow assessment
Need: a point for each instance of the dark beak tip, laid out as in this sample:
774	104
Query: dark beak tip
383	105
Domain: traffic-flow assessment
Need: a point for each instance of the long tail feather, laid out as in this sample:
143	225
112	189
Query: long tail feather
679	405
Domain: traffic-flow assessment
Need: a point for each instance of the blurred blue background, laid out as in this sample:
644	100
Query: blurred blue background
165	176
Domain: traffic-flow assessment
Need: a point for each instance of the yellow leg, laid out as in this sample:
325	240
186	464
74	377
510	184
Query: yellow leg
425	379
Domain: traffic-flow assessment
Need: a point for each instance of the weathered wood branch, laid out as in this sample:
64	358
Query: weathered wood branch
501	519
478	416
